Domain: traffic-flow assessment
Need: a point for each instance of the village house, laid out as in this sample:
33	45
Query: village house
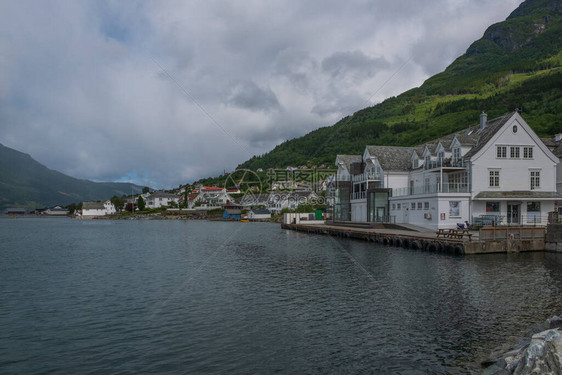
253	200
161	199
56	211
212	197
290	200
259	214
232	214
93	209
497	171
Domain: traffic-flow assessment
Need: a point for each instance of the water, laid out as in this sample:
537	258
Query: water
191	297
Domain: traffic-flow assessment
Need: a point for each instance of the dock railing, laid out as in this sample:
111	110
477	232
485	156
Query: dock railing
511	233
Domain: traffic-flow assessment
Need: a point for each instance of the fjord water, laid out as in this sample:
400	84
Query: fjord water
189	297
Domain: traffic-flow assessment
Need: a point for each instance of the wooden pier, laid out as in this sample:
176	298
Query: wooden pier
486	241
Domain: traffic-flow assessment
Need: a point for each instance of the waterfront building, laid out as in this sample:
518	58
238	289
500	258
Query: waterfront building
257	214
91	209
210	197
497	171
161	199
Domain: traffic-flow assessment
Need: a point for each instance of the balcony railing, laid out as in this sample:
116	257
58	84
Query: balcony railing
371	176
441	163
358	195
431	189
343	178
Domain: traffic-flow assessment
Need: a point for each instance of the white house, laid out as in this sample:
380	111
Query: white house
290	200
212	197
497	171
259	214
56	211
161	199
91	209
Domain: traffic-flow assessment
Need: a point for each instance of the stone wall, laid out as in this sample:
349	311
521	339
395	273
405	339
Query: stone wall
553	241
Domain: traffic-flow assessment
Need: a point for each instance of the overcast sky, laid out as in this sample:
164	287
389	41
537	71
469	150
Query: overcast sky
165	92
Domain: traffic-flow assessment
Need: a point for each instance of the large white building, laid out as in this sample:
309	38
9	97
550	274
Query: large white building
497	171
161	199
93	209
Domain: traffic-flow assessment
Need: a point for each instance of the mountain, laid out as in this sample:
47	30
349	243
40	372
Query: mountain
516	64
26	183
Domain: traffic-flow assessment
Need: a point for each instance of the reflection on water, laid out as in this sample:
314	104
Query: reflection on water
207	297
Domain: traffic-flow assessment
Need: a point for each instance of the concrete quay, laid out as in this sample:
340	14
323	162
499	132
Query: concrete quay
485	241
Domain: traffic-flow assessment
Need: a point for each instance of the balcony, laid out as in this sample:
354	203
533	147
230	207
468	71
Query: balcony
431	189
371	176
444	163
358	195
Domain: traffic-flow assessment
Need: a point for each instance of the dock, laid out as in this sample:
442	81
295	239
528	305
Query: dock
487	240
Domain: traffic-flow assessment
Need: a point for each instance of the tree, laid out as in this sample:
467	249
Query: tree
145	190
140	203
118	202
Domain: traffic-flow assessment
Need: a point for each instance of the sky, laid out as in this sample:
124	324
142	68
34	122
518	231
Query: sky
162	93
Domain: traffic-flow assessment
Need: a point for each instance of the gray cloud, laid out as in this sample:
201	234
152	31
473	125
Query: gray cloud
355	63
83	90
248	95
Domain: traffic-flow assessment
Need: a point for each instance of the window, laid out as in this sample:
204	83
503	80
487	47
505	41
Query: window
527	152
415	163
535	180
426	205
426	187
492	207
533	212
427	160
514	152
393	206
398	206
456	153
501	152
494	178
413	206
419	205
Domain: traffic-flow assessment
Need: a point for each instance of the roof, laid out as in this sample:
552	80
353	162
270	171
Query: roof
261	212
233	212
486	134
211	188
347	160
162	194
523	194
392	158
93	206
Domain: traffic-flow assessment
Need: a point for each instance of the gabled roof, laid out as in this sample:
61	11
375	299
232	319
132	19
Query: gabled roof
261	212
93	206
392	158
486	134
347	160
162	194
233	211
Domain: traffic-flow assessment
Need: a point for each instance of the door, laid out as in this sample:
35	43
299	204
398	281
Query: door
513	213
381	214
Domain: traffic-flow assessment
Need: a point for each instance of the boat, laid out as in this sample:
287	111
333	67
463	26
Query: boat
244	220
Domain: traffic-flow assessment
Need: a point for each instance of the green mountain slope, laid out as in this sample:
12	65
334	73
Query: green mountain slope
516	64
26	183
